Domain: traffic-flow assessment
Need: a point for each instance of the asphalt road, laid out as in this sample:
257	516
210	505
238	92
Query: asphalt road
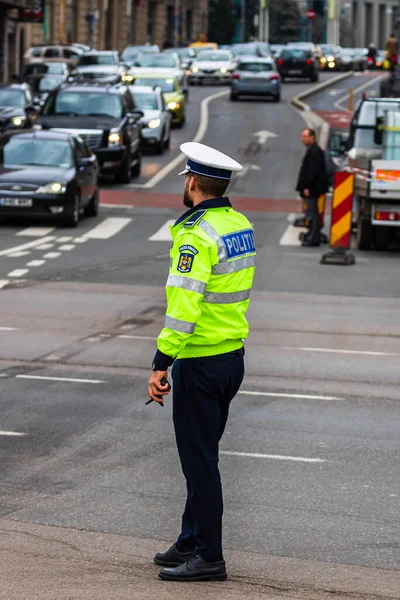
310	458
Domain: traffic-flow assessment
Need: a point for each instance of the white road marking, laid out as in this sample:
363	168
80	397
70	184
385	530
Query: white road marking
80	240
107	228
288	395
35	263
273	456
18	273
29	245
19	254
293	216
291	236
3	283
136	337
12	433
263	135
340	351
122	205
67	379
201	131
9	329
163	234
52	255
36	231
67	247
64	238
246	168
338	103
45	246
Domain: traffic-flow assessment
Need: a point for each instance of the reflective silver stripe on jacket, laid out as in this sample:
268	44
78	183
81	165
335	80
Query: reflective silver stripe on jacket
229	298
193	285
234	265
209	230
178	325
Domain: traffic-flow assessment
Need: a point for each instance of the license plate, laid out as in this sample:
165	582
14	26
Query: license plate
20	202
295	72
255	80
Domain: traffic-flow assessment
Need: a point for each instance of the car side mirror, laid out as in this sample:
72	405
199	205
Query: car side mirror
136	113
343	146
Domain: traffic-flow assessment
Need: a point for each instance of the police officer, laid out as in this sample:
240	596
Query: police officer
208	290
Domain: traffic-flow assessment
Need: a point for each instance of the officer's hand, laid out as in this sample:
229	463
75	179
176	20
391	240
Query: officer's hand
155	388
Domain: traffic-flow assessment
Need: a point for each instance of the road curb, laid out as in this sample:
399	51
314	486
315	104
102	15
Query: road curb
312	118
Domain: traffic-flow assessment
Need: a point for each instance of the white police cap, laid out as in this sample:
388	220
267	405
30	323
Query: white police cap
203	160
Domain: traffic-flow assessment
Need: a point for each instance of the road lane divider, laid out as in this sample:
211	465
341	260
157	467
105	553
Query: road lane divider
297	101
301	459
27	245
62	379
290	395
369	83
341	351
12	433
9	329
108	228
199	136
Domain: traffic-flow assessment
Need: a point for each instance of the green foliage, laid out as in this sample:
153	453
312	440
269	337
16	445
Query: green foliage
285	21
222	17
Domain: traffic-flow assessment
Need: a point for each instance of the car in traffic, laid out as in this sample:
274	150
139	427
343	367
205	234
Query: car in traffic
47	174
68	53
44	77
186	55
310	46
276	49
256	76
168	64
105	117
249	49
130	53
16	107
215	66
157	118
352	60
102	67
173	94
299	63
331	59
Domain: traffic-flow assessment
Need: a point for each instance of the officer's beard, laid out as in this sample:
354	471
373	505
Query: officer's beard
187	200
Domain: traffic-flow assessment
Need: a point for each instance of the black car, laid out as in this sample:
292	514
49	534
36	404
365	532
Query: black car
298	63
47	173
105	117
16	107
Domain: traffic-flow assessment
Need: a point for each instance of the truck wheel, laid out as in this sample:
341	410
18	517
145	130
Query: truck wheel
381	238
364	234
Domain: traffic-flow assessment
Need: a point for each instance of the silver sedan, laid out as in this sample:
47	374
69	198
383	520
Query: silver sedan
156	120
212	66
256	77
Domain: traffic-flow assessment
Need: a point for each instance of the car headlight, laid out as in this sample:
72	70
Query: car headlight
195	69
114	138
127	77
330	58
331	64
323	60
52	188
173	105
223	70
154	123
18	121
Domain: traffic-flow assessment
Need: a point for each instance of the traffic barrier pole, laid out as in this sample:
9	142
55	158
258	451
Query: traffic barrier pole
340	234
351	99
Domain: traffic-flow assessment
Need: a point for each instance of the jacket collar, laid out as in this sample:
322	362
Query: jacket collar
205	205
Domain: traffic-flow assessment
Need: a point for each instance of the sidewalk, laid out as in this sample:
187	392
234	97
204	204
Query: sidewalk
38	562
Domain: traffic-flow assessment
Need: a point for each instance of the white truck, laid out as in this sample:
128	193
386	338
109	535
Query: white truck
374	157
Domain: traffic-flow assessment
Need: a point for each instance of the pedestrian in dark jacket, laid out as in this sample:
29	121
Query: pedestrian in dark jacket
312	182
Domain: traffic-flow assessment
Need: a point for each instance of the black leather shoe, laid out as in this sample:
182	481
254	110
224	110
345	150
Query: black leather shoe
172	557
196	569
307	244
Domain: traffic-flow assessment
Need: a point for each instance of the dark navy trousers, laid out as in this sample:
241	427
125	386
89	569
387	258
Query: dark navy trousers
202	392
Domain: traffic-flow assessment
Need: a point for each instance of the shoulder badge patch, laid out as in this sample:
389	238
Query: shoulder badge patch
194	219
185	262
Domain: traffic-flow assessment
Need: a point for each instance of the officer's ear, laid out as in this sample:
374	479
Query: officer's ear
192	183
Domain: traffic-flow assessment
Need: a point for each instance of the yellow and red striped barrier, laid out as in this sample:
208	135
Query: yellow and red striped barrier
340	234
342	205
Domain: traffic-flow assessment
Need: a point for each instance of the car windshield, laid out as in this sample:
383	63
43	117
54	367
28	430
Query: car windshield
347	52
19	151
299	54
9	97
84	103
327	49
46	84
243	49
255	67
132	51
146	101
157	60
96	59
166	85
212	56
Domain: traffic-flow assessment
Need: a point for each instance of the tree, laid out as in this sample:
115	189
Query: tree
222	16
285	21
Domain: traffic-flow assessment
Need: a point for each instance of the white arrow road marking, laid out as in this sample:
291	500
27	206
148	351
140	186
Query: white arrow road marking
263	135
107	228
273	456
12	433
246	168
163	234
